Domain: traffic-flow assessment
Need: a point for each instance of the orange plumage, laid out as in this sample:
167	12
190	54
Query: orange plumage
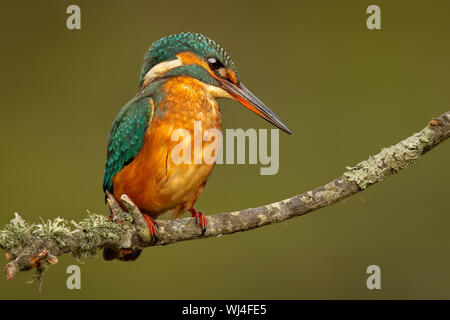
152	180
181	77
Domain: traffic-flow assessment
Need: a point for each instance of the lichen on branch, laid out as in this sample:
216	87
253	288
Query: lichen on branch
37	246
393	159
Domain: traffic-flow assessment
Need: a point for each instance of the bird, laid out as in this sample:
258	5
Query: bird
181	78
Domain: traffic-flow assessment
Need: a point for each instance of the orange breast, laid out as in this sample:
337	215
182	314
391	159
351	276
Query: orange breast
153	180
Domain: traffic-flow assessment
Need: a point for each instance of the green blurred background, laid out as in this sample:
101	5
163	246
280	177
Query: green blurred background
344	90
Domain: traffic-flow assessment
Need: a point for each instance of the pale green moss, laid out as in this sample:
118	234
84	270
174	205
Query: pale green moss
330	193
95	228
390	160
82	240
56	230
38	276
15	233
307	197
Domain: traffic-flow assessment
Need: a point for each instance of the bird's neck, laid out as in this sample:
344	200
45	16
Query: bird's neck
184	100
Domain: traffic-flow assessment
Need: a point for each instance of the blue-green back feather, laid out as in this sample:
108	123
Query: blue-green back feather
126	137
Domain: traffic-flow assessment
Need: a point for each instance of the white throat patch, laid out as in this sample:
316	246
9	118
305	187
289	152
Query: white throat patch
217	92
160	70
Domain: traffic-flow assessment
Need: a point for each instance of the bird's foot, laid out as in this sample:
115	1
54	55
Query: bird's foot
152	226
115	209
201	219
146	227
117	213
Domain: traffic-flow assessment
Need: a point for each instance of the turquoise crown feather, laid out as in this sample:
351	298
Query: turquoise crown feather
168	47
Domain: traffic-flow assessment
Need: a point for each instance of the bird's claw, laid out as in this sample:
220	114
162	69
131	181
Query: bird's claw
200	217
114	207
145	226
152	227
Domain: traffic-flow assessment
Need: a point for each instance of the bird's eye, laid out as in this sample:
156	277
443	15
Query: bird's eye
214	64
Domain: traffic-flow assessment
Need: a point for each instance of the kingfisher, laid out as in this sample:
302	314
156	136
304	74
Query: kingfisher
181	78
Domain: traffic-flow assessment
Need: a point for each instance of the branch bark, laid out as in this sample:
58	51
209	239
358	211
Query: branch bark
30	246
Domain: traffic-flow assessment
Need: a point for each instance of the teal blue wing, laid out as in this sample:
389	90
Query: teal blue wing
126	137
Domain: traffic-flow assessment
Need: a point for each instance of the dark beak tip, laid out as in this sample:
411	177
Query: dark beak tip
288	131
241	91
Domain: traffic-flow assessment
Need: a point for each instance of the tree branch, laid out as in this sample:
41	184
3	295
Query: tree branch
30	246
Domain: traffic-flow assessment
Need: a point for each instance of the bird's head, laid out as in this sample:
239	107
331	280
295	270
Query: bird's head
195	55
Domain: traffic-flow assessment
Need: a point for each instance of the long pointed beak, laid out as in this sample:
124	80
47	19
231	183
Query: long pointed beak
248	99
